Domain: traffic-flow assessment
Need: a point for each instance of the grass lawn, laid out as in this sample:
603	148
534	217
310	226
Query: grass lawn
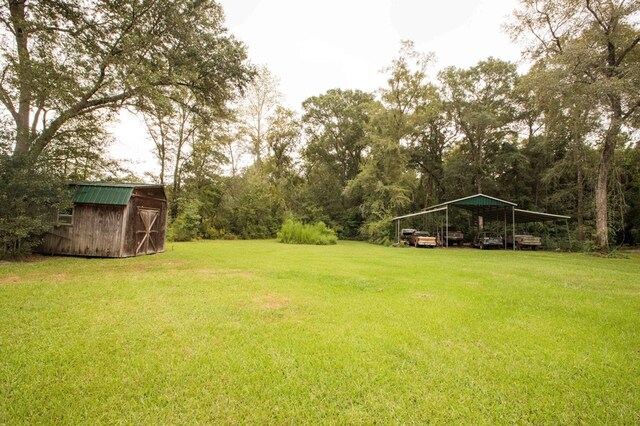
260	332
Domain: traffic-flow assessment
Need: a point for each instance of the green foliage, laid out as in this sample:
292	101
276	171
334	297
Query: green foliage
589	53
480	102
282	140
378	232
29	202
294	232
336	125
187	225
251	207
115	53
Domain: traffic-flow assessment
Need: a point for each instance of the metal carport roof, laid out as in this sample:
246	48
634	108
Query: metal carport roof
478	200
491	208
526	216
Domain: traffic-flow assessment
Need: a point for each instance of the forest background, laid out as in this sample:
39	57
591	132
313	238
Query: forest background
560	138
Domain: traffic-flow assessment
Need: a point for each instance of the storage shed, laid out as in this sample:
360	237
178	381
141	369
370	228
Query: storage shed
110	220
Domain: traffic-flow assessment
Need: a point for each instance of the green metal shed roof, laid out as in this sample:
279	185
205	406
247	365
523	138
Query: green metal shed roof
104	193
114	195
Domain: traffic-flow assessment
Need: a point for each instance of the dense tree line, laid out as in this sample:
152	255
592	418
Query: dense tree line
561	137
355	159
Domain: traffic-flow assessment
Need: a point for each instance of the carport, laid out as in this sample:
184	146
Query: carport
485	209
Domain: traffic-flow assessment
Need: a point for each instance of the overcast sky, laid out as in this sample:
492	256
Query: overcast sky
314	46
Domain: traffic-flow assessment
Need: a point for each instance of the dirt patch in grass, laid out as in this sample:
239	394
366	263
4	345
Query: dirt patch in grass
226	273
10	280
172	263
58	277
14	279
272	301
28	259
425	296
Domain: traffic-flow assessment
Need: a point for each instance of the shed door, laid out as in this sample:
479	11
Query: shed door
147	231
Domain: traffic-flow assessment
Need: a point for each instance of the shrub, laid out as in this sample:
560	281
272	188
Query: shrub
29	202
378	232
294	232
186	227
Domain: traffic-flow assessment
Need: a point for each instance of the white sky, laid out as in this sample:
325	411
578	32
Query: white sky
314	46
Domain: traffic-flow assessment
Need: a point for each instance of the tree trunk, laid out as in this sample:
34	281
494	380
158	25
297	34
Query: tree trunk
23	114
427	191
602	183
479	160
580	208
163	149
175	209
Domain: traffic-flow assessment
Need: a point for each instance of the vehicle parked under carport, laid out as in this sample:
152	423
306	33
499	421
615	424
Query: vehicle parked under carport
422	239
488	240
524	241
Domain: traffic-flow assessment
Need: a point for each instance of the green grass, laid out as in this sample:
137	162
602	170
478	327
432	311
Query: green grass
260	332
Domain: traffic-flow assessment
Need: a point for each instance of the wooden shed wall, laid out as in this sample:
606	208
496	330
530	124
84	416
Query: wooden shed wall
96	231
134	231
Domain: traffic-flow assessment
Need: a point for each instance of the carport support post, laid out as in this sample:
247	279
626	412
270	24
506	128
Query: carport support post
566	221
505	229
398	231
446	230
513	226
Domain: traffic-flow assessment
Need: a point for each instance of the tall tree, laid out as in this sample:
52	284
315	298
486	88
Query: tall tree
176	123
335	125
594	43
415	119
157	119
569	120
480	102
386	184
61	59
255	110
283	140
429	139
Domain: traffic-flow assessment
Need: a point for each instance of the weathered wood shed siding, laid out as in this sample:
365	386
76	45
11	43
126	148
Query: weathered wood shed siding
96	231
133	232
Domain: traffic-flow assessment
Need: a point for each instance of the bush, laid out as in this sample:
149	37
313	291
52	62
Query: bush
186	227
294	232
29	202
378	232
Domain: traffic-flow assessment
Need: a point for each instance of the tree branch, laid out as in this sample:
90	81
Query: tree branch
535	34
604	26
626	51
36	116
632	109
82	107
6	101
547	19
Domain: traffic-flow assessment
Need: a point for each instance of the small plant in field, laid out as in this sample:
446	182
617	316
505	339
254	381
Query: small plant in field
294	232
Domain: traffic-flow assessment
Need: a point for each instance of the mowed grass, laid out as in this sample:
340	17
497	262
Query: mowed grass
260	332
